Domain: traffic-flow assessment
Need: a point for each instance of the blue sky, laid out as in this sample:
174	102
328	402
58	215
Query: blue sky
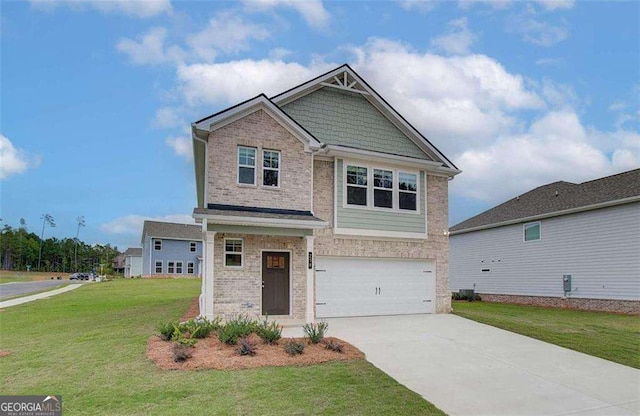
97	97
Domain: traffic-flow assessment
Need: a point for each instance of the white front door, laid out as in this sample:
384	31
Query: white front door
361	286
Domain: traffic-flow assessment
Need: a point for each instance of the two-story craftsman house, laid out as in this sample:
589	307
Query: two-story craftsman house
322	201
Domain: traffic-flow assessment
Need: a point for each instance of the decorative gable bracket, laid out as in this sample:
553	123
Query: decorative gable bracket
346	82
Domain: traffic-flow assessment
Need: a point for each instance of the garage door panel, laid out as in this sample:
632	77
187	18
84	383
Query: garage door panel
352	286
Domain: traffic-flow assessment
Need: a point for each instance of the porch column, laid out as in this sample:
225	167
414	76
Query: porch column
311	267
206	297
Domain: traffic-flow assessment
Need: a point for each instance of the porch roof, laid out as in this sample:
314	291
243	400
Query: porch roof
250	216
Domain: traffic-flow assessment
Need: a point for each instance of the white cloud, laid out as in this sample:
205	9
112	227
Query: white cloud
168	117
150	49
277	54
312	11
559	95
423	6
458	40
136	8
552	5
226	32
549	5
556	147
182	146
550	62
14	161
235	81
132	224
537	32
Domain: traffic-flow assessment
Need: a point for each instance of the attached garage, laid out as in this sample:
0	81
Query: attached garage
361	286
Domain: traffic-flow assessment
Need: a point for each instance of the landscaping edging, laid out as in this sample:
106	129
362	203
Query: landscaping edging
629	307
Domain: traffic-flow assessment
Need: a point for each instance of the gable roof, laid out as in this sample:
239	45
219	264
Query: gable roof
170	230
557	198
354	83
133	251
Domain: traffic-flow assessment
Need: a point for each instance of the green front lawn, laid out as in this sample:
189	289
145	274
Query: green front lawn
606	335
89	346
8	276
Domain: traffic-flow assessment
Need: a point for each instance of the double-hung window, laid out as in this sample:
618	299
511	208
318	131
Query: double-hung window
357	185
271	168
190	267
179	267
233	252
171	267
158	266
247	165
382	188
407	191
157	245
193	246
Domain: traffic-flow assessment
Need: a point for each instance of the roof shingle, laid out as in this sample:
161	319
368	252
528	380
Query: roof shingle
171	230
557	196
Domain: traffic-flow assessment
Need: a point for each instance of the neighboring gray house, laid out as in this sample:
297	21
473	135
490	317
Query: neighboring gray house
133	262
171	250
322	201
562	244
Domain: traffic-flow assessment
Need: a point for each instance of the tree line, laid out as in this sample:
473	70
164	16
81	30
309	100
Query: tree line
20	250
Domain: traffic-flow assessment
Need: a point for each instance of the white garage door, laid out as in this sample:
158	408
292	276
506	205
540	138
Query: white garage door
357	286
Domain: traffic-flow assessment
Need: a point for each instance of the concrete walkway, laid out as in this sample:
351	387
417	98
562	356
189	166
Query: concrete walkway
468	368
43	295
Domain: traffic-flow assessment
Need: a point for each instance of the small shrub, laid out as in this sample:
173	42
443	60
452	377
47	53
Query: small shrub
334	346
468	295
166	330
236	328
200	327
293	347
269	332
315	332
246	347
180	337
181	352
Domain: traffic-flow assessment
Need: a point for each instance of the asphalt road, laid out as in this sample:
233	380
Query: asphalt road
9	290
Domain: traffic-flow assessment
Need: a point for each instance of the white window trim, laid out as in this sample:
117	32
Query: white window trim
277	170
154	244
181	263
225	252
195	247
174	267
193	267
524	231
255	167
396	188
155	267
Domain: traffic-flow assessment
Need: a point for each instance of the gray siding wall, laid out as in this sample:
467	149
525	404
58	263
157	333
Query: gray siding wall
172	250
378	220
600	249
348	119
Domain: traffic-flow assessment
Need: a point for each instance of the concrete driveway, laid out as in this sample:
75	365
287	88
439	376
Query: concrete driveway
468	368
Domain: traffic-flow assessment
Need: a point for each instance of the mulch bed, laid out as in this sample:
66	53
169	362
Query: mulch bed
210	353
193	310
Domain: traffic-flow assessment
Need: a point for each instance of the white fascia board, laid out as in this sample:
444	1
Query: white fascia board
260	102
261	222
550	215
174	238
348	152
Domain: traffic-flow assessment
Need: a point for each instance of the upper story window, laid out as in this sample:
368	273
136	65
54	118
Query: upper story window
193	246
247	165
157	245
380	188
532	231
357	178
271	168
407	191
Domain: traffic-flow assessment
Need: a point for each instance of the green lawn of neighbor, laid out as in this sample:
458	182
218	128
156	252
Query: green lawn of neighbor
610	336
89	346
8	276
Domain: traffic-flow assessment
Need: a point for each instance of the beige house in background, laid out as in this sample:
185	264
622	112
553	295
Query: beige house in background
319	202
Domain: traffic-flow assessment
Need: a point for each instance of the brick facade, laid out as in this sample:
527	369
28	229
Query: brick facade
434	248
261	131
605	305
240	290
